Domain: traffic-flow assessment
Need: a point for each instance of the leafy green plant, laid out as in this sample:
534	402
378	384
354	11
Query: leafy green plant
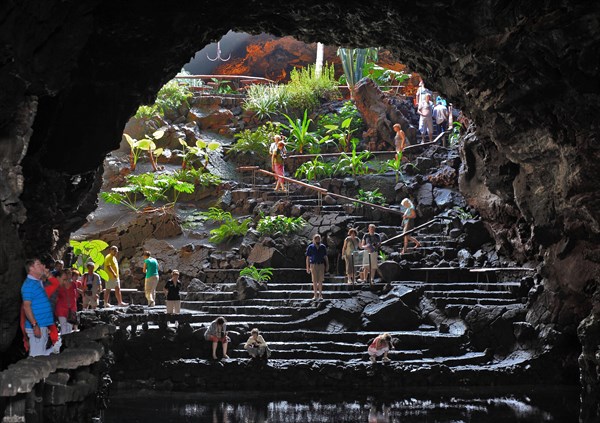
280	223
314	168
348	110
300	135
86	251
462	213
230	228
341	133
151	187
384	77
306	89
395	165
145	144
373	197
198	177
263	275
382	255
171	96
454	136
257	141
355	163
146	112
266	100
202	150
222	86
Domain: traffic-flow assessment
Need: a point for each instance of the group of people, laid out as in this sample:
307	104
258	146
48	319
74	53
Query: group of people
257	347
431	115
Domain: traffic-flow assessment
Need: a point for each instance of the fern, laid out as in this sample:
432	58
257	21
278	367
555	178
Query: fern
259	275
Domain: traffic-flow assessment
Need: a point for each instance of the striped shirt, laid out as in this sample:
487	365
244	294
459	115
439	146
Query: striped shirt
32	290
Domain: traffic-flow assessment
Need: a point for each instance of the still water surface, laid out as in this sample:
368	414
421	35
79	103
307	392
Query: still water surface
528	405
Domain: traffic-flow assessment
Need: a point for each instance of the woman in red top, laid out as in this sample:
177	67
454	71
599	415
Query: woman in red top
66	301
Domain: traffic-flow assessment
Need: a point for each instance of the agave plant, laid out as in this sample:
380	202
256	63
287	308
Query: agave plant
353	62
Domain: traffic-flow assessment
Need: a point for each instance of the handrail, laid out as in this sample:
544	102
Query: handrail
410	231
319	190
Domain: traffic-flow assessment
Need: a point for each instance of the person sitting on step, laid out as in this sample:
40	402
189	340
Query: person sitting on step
217	332
380	347
256	345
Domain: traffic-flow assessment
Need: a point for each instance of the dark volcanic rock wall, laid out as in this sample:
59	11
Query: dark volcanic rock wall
526	72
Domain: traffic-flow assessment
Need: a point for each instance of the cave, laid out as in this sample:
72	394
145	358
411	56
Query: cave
72	73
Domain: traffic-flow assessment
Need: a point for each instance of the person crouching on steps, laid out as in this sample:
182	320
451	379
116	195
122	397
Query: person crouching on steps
316	264
256	345
217	332
380	346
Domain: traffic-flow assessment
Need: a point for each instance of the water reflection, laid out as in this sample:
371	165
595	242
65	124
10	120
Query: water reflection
549	405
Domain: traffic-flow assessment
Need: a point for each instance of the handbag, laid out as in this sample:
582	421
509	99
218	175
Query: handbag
73	317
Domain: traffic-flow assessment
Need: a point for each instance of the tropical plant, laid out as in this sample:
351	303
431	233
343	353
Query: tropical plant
342	134
282	224
384	77
314	168
257	141
355	163
146	112
395	165
229	230
373	197
202	150
266	100
86	251
151	187
300	136
462	213
305	88
145	144
382	255
263	275
198	177
221	86
353	63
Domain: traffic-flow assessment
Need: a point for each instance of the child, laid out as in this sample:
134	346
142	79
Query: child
380	346
172	288
256	345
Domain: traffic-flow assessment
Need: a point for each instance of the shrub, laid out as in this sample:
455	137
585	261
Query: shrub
85	251
306	90
266	100
373	197
257	141
230	228
259	275
279	223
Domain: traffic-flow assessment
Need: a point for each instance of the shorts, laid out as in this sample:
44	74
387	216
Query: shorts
91	300
113	283
317	272
213	338
373	259
377	353
408	224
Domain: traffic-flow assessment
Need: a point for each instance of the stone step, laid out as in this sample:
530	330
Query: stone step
469	358
407	339
442	302
462	286
476	293
461	310
307	295
252	310
303	354
327	347
267	302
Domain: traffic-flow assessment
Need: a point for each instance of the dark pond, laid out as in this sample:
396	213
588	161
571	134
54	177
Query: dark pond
554	404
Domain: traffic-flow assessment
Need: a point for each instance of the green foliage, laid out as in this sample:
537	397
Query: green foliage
353	62
266	100
198	177
454	136
300	136
257	141
342	134
384	77
201	150
146	112
282	224
148	145
230	228
315	168
382	255
259	275
171	96
149	186
395	165
373	197
348	111
354	163
305	89
85	251
462	213
222	86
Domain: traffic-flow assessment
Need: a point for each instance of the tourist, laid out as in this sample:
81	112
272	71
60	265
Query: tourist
92	285
351	244
370	243
399	140
36	308
425	112
59	265
66	304
171	290
76	278
316	264
111	265
420	94
440	116
217	332
408	220
380	346
277	158
256	345
150	268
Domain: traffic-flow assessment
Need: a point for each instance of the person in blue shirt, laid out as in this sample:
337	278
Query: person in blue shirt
37	308
316	264
150	268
